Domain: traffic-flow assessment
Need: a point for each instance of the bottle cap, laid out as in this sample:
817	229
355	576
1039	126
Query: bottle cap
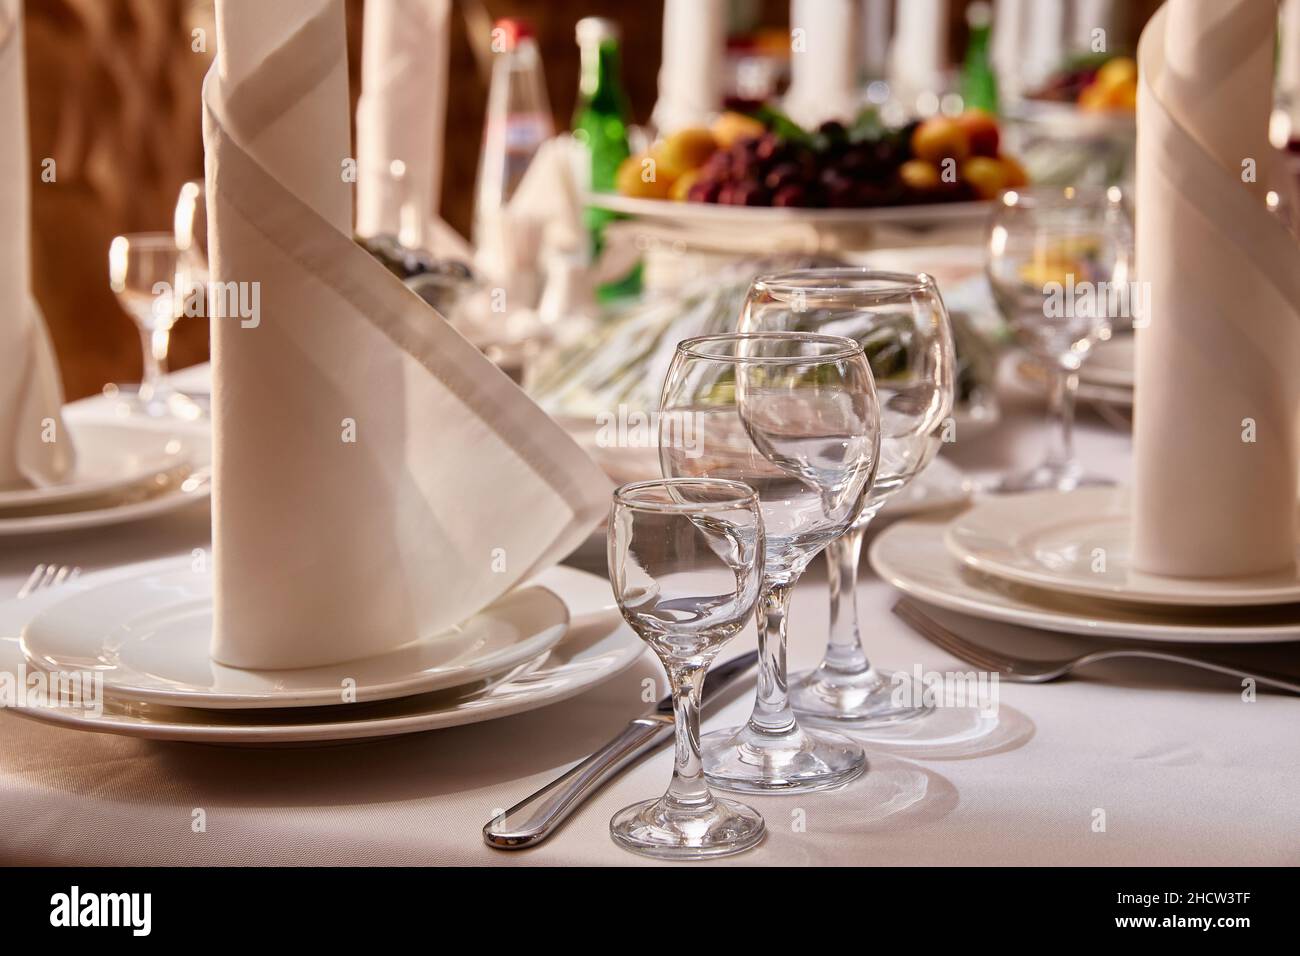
979	15
592	30
508	31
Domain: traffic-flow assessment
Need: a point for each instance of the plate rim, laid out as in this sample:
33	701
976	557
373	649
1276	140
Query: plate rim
168	501
1047	582
187	456
713	214
533	646
1057	621
632	650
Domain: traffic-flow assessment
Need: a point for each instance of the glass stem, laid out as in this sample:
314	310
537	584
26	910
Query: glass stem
772	714
688	791
1064	384
844	651
154	345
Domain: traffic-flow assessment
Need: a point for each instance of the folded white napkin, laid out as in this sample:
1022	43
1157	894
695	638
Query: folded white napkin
401	115
690	70
1043	42
1216	426
1088	16
34	447
874	35
376	478
1288	62
1006	45
919	55
823	62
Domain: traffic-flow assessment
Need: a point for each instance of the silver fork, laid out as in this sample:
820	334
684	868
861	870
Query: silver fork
1024	670
47	576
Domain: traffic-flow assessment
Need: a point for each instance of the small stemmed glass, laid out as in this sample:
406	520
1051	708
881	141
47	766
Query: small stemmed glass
685	562
900	321
795	417
144	270
1060	264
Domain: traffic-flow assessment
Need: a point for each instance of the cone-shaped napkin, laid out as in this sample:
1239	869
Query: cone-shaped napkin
1215	425
823	62
919	54
377	479
401	113
34	447
690	71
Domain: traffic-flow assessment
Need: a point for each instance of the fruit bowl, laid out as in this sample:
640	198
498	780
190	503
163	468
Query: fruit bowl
712	215
1068	121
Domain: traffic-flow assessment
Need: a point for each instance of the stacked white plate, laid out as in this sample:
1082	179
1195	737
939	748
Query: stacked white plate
123	472
1061	562
140	636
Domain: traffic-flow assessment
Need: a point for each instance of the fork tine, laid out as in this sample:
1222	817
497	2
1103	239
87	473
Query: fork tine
50	571
61	576
30	584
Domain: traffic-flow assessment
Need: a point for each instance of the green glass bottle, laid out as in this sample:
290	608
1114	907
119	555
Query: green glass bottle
979	84
600	122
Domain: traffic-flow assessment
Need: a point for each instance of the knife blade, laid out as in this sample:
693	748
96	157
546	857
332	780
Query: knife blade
535	818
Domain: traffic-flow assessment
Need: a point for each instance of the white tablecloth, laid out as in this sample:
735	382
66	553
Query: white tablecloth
1184	771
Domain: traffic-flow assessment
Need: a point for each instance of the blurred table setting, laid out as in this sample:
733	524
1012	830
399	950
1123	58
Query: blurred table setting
461	546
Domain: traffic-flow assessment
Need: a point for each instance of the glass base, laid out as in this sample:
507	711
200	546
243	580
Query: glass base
653	828
873	698
802	761
130	401
1050	477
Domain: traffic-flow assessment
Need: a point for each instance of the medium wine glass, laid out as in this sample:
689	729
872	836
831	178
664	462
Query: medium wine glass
1060	264
900	321
144	271
686	563
795	417
190	227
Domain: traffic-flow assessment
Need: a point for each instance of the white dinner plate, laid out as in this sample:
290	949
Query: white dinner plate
134	505
1077	542
148	635
597	646
913	557
109	458
705	215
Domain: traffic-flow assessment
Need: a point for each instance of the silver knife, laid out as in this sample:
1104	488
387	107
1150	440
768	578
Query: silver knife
532	820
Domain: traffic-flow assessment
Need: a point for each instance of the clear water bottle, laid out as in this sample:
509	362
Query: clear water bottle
518	122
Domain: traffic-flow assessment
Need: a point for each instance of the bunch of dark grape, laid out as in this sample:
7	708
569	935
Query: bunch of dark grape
828	169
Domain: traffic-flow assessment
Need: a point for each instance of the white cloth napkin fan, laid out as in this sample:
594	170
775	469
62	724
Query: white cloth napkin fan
376	478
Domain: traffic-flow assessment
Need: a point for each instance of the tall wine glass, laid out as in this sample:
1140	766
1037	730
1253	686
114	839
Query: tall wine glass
900	321
795	417
190	227
686	562
1060	263
144	271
